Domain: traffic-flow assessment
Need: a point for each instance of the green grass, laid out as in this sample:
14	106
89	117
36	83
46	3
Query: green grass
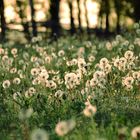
59	98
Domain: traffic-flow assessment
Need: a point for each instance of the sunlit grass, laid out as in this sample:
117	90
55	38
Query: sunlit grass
70	89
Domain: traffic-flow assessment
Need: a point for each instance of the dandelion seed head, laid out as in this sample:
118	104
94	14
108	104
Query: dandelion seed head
6	84
135	133
39	134
89	110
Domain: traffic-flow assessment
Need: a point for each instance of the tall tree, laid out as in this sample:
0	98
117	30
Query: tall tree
86	16
107	12
54	12
71	17
21	10
2	20
79	16
34	26
100	16
104	12
118	8
136	4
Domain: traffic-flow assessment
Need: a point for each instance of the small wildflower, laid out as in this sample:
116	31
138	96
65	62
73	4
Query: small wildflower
16	95
136	75
81	63
61	53
128	81
51	84
16	81
128	55
13	70
1	51
39	134
89	110
135	133
109	46
32	90
91	58
103	62
14	51
63	127
6	84
34	71
25	114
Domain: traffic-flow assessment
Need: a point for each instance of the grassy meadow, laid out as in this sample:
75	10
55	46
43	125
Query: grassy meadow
71	89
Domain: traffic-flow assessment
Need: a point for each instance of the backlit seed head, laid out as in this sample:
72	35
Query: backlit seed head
16	81
14	51
6	84
61	128
128	54
39	134
135	133
128	81
89	110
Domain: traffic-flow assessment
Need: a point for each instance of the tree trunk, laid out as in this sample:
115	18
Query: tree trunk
71	17
118	23
100	22
2	20
79	14
107	8
34	26
118	8
86	16
101	11
54	12
24	23
136	10
107	23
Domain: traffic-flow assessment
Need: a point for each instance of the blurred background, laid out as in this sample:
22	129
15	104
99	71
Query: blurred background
59	17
